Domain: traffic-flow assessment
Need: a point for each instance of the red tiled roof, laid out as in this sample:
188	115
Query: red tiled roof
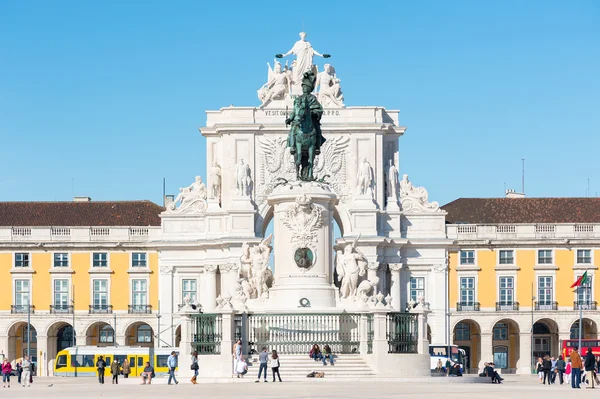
523	210
110	213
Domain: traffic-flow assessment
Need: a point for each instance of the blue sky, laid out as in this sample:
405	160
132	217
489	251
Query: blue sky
105	98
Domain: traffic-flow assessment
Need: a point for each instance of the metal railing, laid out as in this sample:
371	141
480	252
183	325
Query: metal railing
297	333
207	333
61	309
467	307
402	332
546	305
370	333
21	309
101	309
139	309
585	305
504	306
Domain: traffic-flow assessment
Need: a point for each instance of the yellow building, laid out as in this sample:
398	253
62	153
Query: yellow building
85	264
511	266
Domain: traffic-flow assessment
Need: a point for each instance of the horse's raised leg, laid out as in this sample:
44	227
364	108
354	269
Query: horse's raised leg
311	157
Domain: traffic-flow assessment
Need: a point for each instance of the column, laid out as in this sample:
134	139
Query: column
44	363
422	310
208	290
395	289
373	275
364	335
229	274
4	346
485	343
121	340
185	347
524	364
380	342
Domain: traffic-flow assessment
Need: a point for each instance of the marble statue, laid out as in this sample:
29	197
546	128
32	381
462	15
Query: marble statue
367	287
303	219
364	178
392	180
415	198
330	92
255	277
305	137
243	179
349	267
215	181
277	86
191	197
304	53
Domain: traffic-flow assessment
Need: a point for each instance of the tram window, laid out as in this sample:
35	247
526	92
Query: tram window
61	361
161	360
120	358
83	361
107	359
140	361
132	361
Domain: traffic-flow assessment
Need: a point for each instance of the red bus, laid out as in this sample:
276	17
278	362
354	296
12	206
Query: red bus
569	344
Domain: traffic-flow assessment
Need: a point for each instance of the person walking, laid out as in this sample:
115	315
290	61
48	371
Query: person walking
172	364
26	367
546	367
100	366
553	370
539	368
195	367
275	365
115	370
19	372
6	370
568	372
126	368
560	369
263	359
590	366
576	366
237	354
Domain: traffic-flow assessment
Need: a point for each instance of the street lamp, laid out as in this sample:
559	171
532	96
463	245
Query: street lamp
532	308
73	305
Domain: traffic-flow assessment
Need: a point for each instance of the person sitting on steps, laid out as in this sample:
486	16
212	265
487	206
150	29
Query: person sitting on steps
327	354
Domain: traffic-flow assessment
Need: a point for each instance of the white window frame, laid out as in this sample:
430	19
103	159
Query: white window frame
424	289
132	296
537	285
182	292
537	257
107	267
29	260
476	285
467	264
514	288
592	291
14	290
68	266
108	280
100	327
68	280
590	263
514	257
131	255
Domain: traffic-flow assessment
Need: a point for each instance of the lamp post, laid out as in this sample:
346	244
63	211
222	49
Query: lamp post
73	305
28	326
532	308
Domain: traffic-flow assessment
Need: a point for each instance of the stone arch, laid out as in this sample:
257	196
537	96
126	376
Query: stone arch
16	336
506	345
589	329
99	333
139	333
466	334
545	337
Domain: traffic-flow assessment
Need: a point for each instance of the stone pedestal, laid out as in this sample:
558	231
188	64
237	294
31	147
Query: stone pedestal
303	232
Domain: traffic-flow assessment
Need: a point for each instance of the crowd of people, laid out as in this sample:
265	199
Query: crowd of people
573	370
23	370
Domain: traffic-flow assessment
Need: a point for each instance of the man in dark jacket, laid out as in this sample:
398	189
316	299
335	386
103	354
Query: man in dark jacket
546	366
493	374
590	366
560	367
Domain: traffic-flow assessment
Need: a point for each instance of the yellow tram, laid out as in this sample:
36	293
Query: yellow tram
80	361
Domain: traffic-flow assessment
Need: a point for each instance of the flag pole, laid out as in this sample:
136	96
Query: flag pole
580	317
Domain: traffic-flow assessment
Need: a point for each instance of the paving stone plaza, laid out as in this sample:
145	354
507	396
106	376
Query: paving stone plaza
514	386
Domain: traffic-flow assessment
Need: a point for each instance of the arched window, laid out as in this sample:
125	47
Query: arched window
541	328
575	330
106	334
144	333
501	332
462	332
501	357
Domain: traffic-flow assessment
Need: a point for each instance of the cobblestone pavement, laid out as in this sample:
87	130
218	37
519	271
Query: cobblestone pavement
514	386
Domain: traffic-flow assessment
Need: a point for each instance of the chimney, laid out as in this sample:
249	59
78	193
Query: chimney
510	193
82	199
169	200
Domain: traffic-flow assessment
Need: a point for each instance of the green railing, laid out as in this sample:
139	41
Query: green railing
402	332
297	333
207	333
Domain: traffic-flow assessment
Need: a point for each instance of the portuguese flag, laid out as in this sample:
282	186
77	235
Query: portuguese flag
580	281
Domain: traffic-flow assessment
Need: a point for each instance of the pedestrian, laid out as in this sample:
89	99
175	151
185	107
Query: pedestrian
237	354
6	370
590	366
195	367
553	370
19	372
147	375
100	366
546	367
327	354
448	367
126	368
275	364
172	364
32	372
115	370
263	359
26	367
241	367
560	368
568	372
539	368
576	366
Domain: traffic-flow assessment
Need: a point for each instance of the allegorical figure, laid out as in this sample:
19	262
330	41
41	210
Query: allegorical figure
305	138
196	190
350	265
242	174
215	181
277	85
392	181
330	92
364	178
304	53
